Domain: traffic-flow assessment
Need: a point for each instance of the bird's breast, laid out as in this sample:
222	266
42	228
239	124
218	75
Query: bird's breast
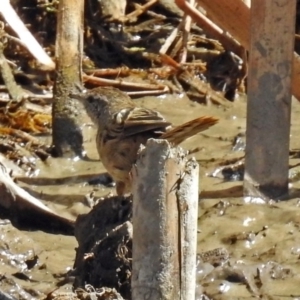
118	154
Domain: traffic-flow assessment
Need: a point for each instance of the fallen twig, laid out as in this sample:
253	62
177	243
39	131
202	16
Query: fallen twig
170	39
140	9
163	72
122	83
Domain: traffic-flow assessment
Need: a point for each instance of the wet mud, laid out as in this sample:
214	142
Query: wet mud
259	243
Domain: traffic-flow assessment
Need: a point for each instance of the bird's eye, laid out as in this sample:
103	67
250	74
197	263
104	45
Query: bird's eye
90	99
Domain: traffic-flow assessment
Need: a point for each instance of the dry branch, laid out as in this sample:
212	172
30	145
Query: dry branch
123	83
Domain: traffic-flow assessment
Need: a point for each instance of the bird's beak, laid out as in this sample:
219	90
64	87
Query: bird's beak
78	92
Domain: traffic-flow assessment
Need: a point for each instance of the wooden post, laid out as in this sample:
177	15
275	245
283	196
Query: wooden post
66	112
269	97
165	212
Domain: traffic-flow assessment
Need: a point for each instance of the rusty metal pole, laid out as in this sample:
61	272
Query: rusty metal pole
269	98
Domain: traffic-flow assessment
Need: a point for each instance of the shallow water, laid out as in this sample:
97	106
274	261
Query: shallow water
253	234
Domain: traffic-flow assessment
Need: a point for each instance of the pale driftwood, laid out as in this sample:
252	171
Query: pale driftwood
11	193
269	98
170	39
26	37
165	201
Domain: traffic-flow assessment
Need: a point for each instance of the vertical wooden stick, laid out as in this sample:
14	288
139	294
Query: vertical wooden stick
269	97
66	112
188	194
165	201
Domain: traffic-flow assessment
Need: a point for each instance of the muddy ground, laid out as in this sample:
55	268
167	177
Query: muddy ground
262	240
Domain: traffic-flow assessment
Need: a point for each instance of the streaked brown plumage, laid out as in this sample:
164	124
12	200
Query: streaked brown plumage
123	127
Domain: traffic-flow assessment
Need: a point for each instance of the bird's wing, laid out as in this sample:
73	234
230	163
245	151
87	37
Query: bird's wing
139	120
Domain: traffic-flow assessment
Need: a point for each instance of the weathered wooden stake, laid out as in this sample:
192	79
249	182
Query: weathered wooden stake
269	97
165	212
66	112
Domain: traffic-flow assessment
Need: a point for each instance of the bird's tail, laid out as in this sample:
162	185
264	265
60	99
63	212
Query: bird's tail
182	132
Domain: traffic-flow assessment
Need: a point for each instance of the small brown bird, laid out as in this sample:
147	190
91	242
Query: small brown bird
123	126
